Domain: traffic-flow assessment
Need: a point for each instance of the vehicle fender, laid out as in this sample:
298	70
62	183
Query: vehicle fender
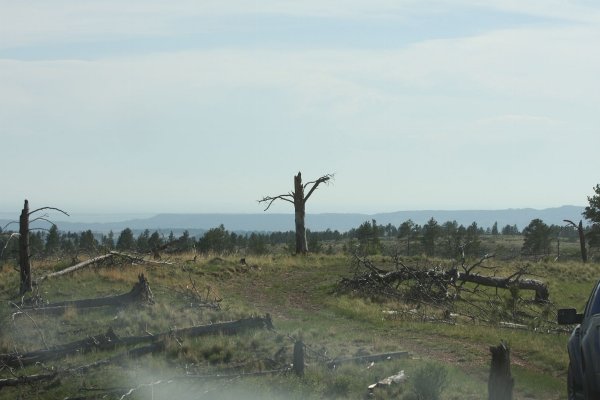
590	352
574	349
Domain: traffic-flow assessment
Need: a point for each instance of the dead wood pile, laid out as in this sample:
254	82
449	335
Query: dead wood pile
436	282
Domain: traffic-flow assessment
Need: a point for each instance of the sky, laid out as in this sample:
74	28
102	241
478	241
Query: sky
207	106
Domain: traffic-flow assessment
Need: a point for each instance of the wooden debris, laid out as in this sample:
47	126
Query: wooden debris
99	259
139	293
398	378
110	340
369	358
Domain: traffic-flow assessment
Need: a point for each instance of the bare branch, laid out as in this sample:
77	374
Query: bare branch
10	223
7	242
49	208
271	199
315	184
570	222
43	219
34	323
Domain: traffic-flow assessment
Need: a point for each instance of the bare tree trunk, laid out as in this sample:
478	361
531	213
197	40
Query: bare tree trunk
24	256
300	214
298	199
582	241
581	238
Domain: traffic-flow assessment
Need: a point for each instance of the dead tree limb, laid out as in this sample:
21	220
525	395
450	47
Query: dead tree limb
26	379
76	267
98	259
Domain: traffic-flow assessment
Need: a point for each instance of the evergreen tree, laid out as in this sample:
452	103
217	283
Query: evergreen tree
430	233
368	238
87	242
495	229
592	213
407	230
155	241
216	240
141	243
126	240
52	241
537	237
257	244
108	241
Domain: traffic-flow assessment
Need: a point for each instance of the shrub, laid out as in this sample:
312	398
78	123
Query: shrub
429	381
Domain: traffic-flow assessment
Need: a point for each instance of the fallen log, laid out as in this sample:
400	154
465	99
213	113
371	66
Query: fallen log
140	293
98	259
26	379
540	288
76	267
110	340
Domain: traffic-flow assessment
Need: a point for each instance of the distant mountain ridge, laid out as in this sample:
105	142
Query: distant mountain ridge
270	222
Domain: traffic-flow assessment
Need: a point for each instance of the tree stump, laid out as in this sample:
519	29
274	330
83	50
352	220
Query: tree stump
501	382
299	358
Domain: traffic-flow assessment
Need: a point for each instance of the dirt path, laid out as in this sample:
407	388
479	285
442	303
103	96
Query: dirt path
293	292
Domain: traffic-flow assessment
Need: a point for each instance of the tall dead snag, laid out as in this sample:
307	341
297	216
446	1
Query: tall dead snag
298	199
501	382
24	256
24	251
581	238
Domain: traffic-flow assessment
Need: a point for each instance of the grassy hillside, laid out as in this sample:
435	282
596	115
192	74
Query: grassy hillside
302	296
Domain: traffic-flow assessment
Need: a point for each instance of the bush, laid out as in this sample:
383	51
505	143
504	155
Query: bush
429	381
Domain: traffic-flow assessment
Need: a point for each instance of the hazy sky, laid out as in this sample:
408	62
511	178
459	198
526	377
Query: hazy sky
206	106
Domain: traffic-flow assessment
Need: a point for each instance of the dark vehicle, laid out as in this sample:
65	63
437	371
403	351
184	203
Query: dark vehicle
583	381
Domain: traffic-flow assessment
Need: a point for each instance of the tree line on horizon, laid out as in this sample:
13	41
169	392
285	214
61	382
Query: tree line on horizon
448	239
432	239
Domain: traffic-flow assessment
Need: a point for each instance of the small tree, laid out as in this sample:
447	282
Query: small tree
407	230
495	229
430	233
368	238
537	237
52	240
592	213
299	199
217	240
126	240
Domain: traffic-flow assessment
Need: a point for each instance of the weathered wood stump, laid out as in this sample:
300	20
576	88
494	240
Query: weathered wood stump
501	382
299	358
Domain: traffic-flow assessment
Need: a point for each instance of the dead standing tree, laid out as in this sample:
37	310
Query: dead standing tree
24	252
581	238
298	199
